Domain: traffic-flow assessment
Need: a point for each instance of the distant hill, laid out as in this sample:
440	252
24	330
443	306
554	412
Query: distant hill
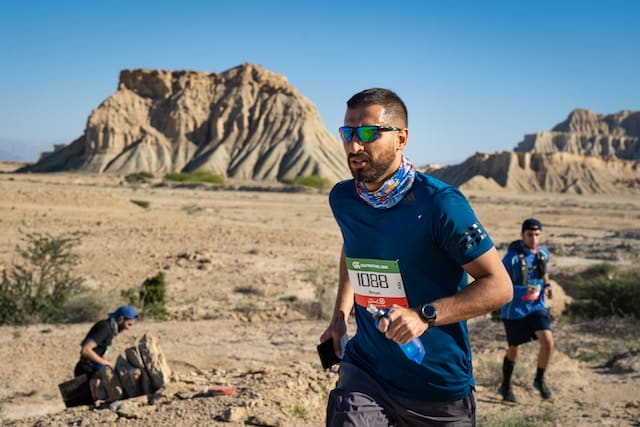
584	132
585	154
246	123
556	172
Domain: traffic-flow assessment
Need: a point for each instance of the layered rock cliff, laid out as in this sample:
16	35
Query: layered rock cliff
584	132
555	172
587	153
246	123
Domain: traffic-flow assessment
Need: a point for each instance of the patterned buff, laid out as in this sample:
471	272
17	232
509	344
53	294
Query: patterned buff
393	189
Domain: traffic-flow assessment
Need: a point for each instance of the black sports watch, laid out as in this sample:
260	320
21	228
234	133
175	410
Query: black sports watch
429	314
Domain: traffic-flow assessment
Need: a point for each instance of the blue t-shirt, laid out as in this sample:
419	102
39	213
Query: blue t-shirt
528	294
428	236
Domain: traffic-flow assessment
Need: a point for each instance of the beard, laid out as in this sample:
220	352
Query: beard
377	168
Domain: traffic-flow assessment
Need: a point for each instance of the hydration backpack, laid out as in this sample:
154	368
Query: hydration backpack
540	263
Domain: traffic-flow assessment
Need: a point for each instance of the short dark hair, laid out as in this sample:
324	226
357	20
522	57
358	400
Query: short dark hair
392	103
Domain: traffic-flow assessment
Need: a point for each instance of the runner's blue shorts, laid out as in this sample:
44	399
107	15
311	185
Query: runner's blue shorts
520	331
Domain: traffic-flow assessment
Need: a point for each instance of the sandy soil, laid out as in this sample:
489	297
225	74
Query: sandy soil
250	273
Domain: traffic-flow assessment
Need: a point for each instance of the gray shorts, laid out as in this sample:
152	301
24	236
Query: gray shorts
358	400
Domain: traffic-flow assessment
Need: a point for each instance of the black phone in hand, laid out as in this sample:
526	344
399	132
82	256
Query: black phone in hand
327	354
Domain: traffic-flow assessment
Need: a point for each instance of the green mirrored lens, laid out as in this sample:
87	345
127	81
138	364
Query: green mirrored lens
367	133
346	133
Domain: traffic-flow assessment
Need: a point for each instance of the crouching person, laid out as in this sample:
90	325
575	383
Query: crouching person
96	344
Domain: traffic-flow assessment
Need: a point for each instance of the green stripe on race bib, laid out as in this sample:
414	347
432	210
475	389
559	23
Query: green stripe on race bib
373	265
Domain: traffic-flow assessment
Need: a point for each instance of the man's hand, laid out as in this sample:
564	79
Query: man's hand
402	324
336	330
549	291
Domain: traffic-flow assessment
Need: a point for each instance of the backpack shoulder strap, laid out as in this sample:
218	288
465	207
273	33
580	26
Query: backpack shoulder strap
541	264
516	246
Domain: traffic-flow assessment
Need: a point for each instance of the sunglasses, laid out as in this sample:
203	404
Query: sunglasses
365	134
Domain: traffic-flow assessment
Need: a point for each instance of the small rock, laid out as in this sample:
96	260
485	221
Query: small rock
234	414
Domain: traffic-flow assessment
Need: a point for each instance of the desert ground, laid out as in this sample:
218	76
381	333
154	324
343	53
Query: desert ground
250	274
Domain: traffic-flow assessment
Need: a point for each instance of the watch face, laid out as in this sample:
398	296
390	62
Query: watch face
428	311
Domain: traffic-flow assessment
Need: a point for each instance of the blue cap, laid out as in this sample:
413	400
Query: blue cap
125	311
531	224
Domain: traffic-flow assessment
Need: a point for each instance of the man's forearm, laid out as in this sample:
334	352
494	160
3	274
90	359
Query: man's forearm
345	294
491	289
476	299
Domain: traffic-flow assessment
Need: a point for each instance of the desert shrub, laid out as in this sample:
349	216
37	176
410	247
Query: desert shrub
9	301
572	283
37	288
142	203
299	411
313	181
248	308
192	209
151	296
195	176
607	291
138	177
90	306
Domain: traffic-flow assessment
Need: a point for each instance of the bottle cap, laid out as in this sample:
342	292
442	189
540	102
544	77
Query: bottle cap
376	312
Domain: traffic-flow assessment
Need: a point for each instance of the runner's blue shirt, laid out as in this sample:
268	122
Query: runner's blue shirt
431	233
528	295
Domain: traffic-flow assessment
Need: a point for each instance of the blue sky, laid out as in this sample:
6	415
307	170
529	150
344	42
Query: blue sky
475	75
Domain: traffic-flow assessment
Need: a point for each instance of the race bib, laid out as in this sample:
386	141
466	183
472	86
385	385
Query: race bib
534	287
376	282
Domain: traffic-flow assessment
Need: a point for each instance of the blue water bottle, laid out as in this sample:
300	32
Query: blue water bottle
414	350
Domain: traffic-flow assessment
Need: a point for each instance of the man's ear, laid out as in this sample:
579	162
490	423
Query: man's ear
402	139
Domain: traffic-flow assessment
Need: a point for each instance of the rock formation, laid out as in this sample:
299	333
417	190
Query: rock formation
246	123
587	153
142	371
154	361
584	132
134	360
130	377
555	172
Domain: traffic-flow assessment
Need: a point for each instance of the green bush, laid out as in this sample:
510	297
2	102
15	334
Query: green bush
138	177
152	297
195	176
313	181
37	289
142	203
90	306
604	290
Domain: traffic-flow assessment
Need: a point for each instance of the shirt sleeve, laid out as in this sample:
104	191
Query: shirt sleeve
460	232
99	333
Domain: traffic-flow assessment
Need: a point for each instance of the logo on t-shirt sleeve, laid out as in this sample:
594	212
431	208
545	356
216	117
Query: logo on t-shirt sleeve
472	236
